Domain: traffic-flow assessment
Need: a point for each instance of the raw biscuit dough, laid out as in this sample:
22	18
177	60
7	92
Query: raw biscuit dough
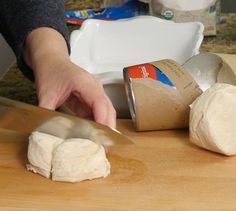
40	150
79	159
70	160
213	119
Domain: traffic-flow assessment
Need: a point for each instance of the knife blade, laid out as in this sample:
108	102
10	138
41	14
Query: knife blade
27	118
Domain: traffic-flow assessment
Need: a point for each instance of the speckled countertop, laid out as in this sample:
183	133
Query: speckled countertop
15	86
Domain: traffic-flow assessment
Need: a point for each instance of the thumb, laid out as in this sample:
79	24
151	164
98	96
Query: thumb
48	102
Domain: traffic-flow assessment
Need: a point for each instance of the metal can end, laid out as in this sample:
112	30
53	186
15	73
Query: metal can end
130	94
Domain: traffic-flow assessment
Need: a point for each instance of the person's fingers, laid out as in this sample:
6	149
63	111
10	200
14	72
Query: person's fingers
106	148
94	97
48	101
84	112
111	118
80	109
104	112
101	107
58	81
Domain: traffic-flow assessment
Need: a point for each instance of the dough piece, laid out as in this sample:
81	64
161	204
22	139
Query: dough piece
41	146
70	160
79	159
213	119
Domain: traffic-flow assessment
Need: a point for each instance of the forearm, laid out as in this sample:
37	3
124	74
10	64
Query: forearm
43	47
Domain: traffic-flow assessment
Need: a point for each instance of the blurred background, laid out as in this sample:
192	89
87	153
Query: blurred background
14	85
228	5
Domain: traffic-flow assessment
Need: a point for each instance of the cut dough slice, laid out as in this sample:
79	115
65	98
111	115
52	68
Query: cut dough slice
213	119
41	146
79	159
70	160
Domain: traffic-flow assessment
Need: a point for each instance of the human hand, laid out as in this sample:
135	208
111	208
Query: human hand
77	89
60	82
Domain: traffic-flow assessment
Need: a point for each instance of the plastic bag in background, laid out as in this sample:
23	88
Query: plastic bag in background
205	11
127	10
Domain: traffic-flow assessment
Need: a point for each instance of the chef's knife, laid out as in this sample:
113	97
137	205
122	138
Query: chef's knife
26	118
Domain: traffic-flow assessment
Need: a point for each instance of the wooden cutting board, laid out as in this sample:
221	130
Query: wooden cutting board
160	171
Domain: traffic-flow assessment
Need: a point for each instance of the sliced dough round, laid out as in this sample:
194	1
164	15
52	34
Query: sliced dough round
79	159
213	119
41	146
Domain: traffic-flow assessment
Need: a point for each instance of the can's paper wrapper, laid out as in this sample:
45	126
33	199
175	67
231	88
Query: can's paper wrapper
227	73
157	106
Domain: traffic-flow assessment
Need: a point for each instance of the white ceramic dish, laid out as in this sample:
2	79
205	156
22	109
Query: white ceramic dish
104	48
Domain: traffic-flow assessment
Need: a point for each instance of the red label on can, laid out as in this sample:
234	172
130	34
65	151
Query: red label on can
143	71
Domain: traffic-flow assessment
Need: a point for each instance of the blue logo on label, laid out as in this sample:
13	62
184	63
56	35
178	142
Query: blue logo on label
163	78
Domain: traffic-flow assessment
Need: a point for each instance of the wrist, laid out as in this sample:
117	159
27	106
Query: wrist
43	47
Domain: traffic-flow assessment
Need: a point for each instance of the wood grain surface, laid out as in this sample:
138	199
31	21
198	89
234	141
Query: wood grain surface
160	171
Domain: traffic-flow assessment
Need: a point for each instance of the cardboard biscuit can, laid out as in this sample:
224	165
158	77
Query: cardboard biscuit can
159	94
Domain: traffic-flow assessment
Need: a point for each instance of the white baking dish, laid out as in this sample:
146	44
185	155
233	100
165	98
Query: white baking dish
104	48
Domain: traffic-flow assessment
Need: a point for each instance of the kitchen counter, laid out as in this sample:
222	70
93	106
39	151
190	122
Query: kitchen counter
160	171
